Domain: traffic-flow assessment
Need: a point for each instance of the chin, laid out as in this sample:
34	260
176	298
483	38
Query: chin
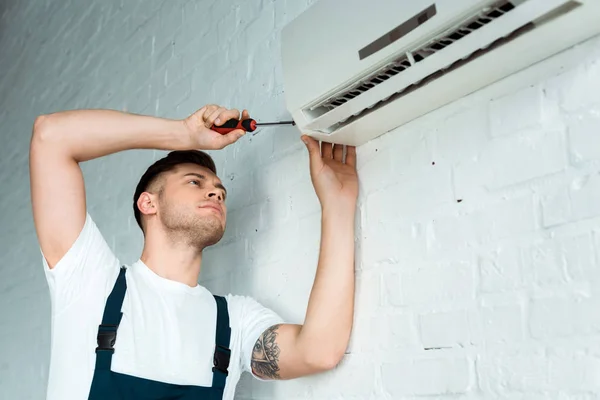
208	231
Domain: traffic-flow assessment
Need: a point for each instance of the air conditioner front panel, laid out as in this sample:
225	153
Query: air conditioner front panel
523	51
486	35
322	45
465	45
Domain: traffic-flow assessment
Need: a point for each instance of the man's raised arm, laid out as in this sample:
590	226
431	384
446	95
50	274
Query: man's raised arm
60	141
287	351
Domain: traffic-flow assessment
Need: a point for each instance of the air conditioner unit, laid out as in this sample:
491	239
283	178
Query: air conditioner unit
355	69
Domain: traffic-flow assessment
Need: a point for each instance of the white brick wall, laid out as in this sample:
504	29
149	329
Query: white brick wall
477	260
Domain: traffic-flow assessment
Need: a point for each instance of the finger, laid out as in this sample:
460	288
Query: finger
226	116
314	153
245	114
210	120
207	110
351	155
326	150
338	152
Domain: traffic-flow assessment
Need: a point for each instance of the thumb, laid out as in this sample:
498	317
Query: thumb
312	146
231	137
314	150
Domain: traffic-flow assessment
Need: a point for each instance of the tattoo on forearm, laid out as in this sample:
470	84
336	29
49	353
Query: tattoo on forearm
265	355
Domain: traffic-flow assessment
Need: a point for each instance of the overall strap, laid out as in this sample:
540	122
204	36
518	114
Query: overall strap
222	351
107	331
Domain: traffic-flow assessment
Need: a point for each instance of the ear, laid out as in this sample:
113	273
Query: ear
147	204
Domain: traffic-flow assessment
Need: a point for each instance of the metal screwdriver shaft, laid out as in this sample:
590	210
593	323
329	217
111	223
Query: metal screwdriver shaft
249	125
275	123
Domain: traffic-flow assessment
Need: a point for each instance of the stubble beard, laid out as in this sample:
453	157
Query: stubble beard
190	228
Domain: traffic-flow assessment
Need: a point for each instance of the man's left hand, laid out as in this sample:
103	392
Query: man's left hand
335	179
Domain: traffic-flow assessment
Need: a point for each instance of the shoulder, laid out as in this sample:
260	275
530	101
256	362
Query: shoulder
242	305
250	317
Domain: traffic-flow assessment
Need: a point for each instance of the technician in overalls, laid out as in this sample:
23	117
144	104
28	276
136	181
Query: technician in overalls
148	330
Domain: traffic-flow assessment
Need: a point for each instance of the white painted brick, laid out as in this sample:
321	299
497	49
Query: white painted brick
573	202
575	372
398	241
162	56
354	374
556	207
174	95
448	329
559	260
563	317
584	136
240	190
261	245
174	71
369	293
276	210
171	15
375	168
426	377
514	370
246	11
515	159
584	194
285	172
262	27
497	220
500	270
503	324
304	200
504	120
462	136
217	11
450	283
415	194
214	265
385	331
576	88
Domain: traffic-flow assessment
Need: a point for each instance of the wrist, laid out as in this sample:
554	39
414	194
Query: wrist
182	136
339	208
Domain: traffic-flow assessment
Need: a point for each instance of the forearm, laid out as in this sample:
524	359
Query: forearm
89	134
328	323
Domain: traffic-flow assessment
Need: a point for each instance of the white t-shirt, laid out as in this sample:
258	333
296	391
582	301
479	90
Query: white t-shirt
167	332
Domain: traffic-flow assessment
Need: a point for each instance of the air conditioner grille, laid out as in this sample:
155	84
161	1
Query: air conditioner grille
403	62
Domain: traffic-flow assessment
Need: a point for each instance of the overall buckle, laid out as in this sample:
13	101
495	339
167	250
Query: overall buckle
107	336
221	359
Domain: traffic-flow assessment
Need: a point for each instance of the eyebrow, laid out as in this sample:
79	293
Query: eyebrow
218	185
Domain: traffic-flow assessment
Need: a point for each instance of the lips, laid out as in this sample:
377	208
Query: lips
214	207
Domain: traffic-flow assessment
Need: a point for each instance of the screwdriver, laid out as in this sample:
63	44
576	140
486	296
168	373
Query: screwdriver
249	125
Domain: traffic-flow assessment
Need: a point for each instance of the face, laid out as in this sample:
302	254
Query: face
192	205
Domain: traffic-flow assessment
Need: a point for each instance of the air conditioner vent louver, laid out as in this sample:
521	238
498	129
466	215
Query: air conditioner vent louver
403	62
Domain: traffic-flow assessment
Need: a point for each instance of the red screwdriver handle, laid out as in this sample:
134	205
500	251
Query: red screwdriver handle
249	125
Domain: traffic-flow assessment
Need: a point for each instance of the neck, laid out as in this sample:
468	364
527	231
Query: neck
172	258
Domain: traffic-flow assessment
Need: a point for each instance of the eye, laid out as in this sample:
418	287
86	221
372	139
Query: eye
194	181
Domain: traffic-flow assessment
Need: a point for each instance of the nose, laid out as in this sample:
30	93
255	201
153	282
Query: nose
216	193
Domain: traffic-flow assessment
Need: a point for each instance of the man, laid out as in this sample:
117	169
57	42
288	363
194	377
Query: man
149	330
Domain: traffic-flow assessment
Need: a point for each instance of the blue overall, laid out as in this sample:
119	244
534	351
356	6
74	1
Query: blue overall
107	384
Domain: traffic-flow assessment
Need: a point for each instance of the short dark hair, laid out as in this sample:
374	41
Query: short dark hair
165	164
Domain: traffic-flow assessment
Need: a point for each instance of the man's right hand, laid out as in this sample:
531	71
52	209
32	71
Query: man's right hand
199	124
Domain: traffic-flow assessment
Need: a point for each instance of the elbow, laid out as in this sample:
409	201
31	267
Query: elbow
325	361
333	359
41	129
